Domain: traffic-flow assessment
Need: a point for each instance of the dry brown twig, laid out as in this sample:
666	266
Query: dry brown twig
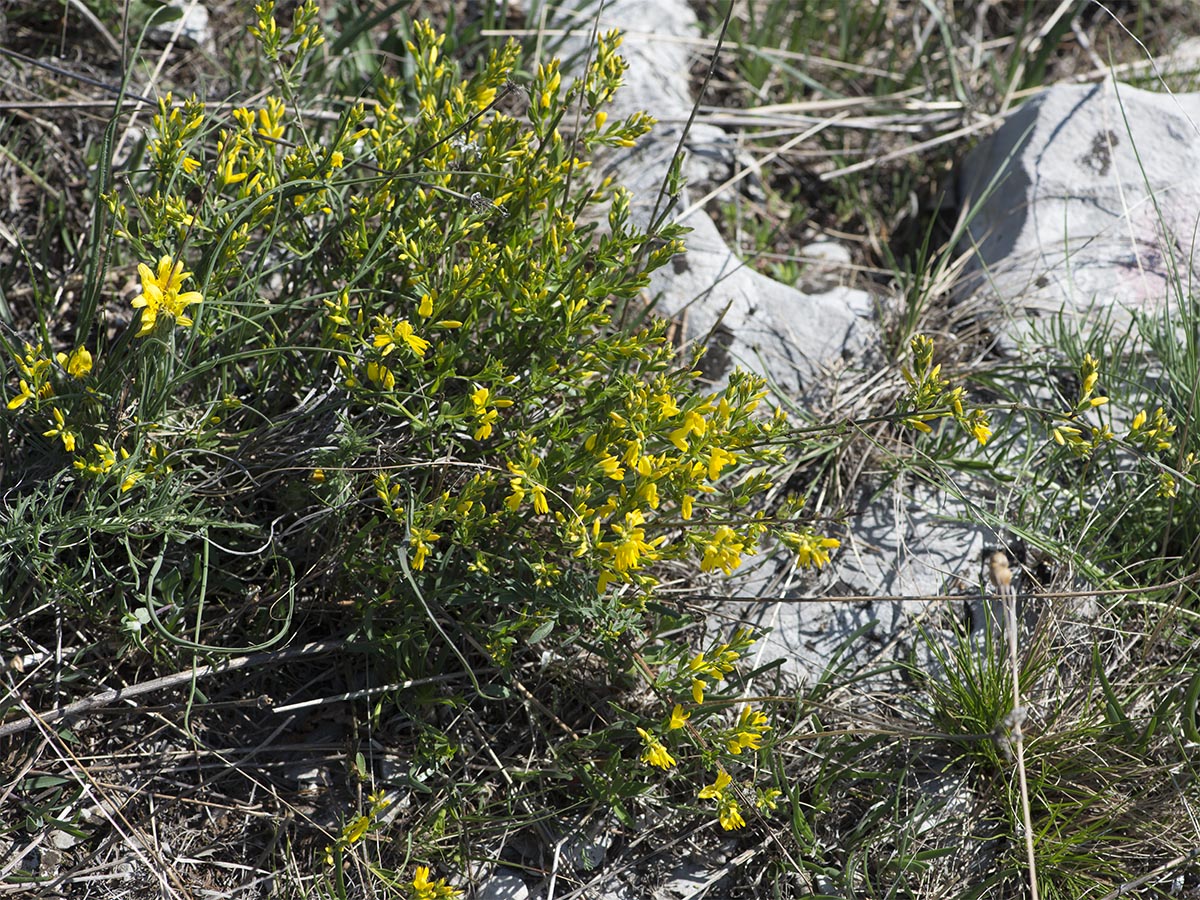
1002	578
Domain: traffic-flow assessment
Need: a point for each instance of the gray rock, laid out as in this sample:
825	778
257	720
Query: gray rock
190	28
689	881
745	318
505	884
1085	200
61	840
903	544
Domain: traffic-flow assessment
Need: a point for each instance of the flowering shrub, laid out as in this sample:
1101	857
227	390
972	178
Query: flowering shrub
435	267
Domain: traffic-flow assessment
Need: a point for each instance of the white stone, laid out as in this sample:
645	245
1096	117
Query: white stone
504	884
745	318
904	544
61	840
1094	204
190	29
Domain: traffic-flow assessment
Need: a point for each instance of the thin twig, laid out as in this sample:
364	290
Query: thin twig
105	698
1128	886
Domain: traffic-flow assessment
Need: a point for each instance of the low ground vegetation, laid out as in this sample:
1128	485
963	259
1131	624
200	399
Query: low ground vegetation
356	508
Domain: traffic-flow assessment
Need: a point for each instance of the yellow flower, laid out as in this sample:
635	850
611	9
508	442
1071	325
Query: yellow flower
424	889
353	832
78	364
1167	486
655	753
106	458
717	788
389	336
728	811
698	690
421	538
160	294
811	550
632	546
611	467
678	717
748	731
768	799
723	551
513	500
22	395
539	498
60	430
420	882
487	417
729	815
719	458
381	375
693	422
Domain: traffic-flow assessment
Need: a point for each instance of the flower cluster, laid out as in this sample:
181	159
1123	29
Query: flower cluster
714	664
930	397
747	733
811	549
422	888
1151	433
176	131
729	812
1070	430
655	754
357	828
707	724
161	295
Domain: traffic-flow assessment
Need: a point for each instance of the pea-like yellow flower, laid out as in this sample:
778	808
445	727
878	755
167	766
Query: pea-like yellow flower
78	364
161	295
354	832
729	815
23	394
487	417
425	889
611	467
723	551
718	459
389	336
421	539
678	718
381	375
60	430
748	731
728	812
655	753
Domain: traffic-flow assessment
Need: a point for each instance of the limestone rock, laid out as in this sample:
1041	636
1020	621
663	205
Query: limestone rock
505	884
1085	200
744	317
189	27
910	543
